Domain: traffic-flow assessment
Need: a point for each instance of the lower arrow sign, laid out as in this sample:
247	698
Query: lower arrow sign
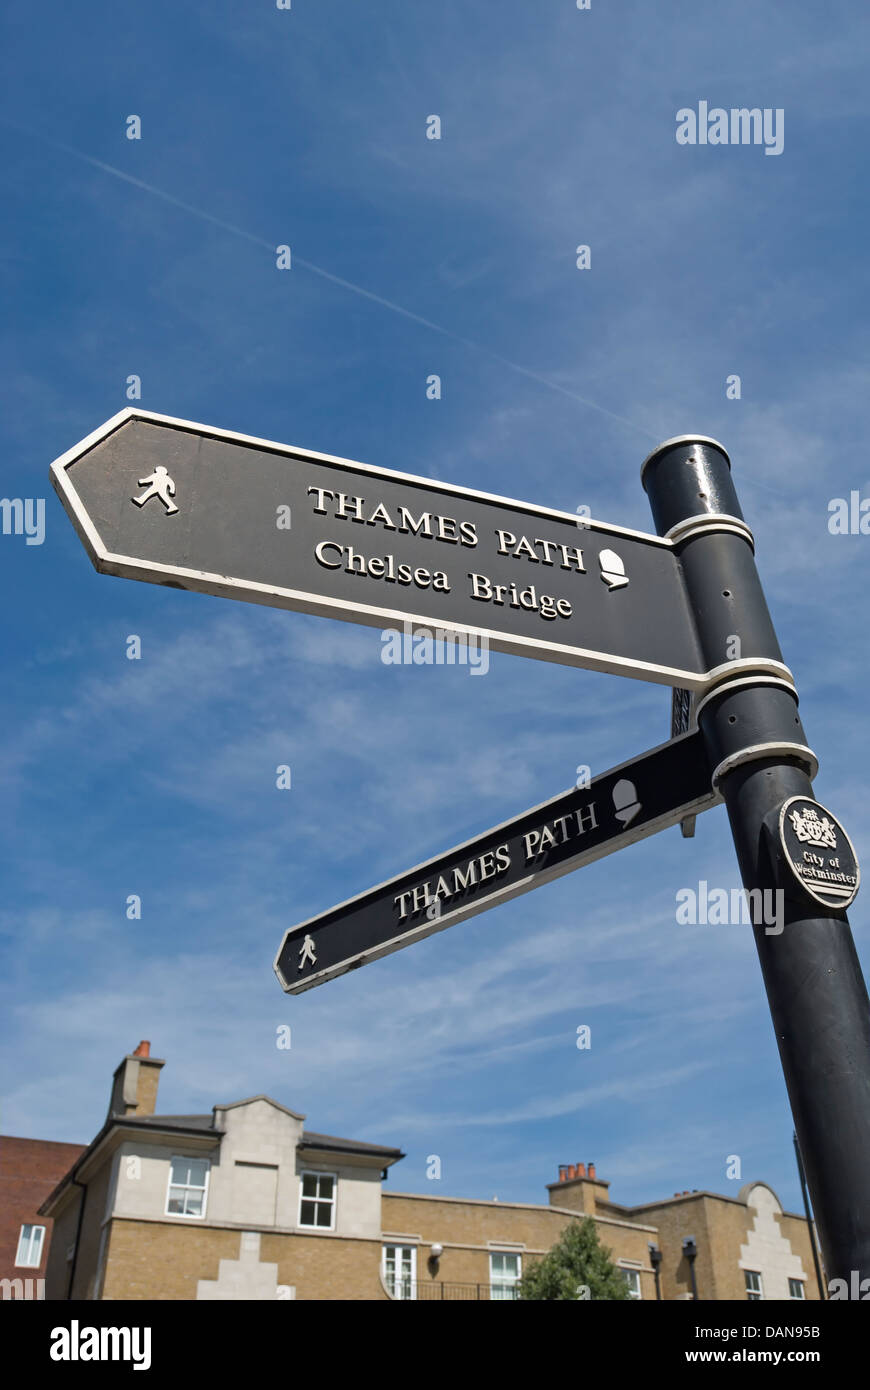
628	803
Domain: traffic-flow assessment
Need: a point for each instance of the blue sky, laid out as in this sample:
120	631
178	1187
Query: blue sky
457	257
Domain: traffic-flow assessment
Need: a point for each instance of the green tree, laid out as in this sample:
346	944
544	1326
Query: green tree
577	1267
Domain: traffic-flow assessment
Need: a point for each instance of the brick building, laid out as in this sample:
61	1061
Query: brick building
246	1203
29	1170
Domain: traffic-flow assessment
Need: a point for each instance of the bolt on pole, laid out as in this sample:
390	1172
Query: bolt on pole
759	758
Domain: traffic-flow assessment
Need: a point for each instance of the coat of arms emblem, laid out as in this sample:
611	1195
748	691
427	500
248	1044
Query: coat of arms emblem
812	831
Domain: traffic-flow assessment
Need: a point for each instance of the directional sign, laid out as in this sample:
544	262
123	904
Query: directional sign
627	803
194	507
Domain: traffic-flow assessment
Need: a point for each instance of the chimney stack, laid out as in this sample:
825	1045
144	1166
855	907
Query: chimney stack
134	1085
579	1189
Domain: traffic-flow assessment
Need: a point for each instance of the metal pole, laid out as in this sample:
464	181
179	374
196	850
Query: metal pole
810	1227
758	757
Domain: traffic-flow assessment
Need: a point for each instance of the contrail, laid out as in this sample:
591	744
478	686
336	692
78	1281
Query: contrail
328	275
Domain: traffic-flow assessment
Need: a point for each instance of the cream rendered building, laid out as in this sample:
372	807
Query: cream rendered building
246	1203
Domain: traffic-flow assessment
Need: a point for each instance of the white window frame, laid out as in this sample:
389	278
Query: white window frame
631	1275
798	1297
394	1292
331	1201
188	1187
504	1282
754	1295
30	1263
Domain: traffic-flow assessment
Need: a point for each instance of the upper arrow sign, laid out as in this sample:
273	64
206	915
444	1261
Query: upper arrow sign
187	505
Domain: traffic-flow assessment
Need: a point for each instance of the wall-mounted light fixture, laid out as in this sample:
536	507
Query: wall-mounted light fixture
690	1250
655	1259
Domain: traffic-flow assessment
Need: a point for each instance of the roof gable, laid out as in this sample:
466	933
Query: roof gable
252	1100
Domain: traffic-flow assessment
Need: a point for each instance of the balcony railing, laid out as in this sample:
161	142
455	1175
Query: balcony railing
429	1289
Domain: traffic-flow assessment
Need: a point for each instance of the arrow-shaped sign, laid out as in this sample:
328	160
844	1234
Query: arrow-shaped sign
628	803
194	507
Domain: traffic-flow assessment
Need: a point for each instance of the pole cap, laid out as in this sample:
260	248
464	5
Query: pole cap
682	439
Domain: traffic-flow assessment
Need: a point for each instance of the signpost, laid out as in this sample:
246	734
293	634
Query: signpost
199	508
626	804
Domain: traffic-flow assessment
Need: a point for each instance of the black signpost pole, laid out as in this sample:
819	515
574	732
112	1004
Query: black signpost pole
757	750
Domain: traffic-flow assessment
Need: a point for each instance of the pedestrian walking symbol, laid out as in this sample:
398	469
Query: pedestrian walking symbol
306	953
157	484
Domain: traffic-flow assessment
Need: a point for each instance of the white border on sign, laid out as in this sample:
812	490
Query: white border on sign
126	566
499	895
